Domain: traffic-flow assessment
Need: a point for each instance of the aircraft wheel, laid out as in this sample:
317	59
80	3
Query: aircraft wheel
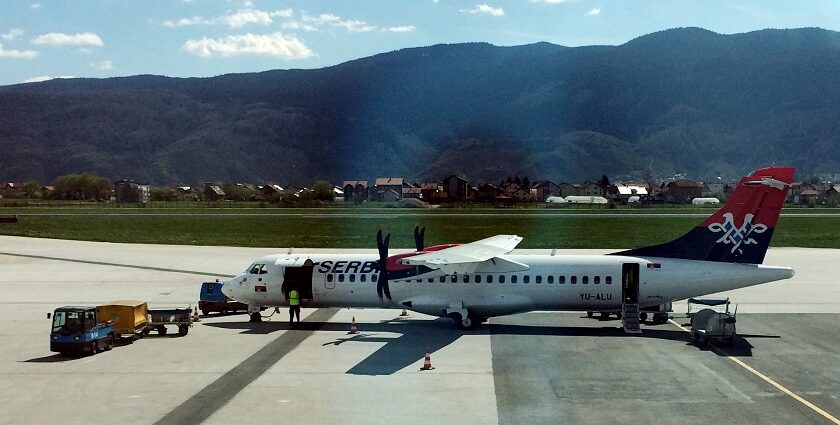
256	318
590	313
605	315
643	317
110	342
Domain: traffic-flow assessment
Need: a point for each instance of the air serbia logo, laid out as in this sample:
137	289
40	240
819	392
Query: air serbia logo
737	235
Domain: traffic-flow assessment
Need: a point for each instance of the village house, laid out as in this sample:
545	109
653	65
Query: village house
455	188
544	189
213	192
430	191
127	191
681	191
489	192
384	185
590	189
355	190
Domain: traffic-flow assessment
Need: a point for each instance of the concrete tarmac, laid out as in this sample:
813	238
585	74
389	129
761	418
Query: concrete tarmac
529	368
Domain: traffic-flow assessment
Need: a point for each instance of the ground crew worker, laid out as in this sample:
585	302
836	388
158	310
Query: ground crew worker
294	305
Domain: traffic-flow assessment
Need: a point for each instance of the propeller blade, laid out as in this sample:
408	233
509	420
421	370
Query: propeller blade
419	234
382	281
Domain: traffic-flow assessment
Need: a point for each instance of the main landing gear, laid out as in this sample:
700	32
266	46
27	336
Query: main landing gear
254	312
462	317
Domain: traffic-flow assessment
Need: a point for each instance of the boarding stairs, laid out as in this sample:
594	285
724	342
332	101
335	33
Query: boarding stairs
630	318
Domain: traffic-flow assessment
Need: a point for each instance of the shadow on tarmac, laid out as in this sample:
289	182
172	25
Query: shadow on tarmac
400	352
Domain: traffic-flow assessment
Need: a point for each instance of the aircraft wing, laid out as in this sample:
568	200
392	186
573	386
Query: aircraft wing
471	253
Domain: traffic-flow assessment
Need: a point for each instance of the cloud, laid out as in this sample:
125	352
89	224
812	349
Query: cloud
402	28
237	19
17	54
104	65
45	78
13	34
594	12
60	39
485	9
328	20
183	22
35	6
277	44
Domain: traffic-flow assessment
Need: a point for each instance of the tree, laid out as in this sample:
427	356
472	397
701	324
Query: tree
525	182
161	194
82	187
32	189
323	190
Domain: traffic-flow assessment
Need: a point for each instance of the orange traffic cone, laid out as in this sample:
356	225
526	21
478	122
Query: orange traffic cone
353	328
427	364
404	313
195	315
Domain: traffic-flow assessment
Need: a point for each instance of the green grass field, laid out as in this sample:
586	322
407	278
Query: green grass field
356	228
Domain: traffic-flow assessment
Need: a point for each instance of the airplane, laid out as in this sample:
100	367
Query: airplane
475	281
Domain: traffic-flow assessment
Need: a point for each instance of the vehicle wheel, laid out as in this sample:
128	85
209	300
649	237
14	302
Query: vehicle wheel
183	330
604	315
109	344
590	314
94	347
146	330
161	330
618	315
204	312
224	312
643	317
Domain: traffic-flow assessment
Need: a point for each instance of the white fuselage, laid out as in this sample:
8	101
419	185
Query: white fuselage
562	282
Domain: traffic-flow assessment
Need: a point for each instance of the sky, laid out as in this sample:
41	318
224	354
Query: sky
46	39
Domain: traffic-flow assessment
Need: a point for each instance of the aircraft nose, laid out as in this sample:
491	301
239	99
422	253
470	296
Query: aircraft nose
227	289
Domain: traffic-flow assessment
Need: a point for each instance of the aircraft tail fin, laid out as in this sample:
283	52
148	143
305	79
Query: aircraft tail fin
740	231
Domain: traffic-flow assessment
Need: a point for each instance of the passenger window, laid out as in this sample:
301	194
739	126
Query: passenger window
502	279
539	279
466	278
513	279
341	278
586	280
454	278
373	278
363	278
490	278
431	280
329	278
608	280
442	279
526	278
597	280
477	278
574	280
551	279
352	278
562	279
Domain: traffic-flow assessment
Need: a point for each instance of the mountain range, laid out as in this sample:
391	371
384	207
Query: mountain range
682	101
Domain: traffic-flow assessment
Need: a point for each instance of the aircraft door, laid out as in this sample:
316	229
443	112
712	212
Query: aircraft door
299	278
630	283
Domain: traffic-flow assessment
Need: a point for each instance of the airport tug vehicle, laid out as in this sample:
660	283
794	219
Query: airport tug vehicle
90	329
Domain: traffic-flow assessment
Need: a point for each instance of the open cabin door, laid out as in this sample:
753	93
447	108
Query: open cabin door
630	283
299	278
630	317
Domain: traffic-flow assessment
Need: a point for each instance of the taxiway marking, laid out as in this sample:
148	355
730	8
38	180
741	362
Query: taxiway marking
770	381
131	266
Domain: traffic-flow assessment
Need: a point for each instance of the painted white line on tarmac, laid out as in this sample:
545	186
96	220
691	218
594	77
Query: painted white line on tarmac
767	379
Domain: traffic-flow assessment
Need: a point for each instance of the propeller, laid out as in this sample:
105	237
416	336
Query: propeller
419	234
382	283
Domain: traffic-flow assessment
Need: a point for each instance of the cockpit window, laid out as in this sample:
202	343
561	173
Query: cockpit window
258	269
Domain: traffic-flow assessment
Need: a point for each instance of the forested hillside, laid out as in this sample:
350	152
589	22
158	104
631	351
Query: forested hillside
682	100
